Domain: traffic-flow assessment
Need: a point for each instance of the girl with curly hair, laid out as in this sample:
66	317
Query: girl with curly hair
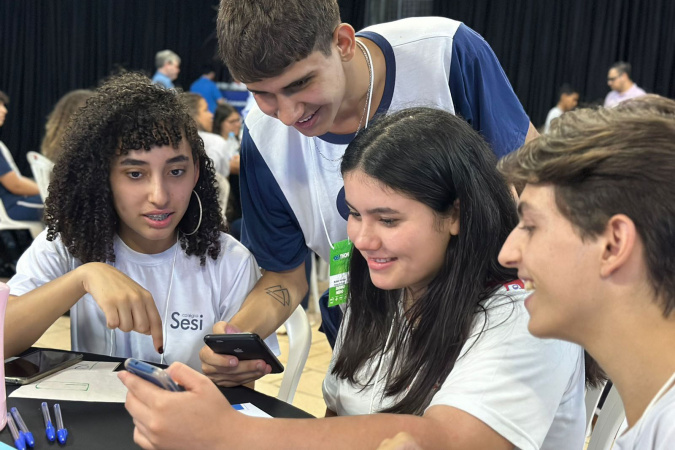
135	244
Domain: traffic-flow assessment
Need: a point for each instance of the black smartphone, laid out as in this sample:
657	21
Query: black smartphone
38	364
152	374
245	346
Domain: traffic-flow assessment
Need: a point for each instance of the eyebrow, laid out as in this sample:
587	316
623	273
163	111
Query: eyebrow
381	210
289	85
140	162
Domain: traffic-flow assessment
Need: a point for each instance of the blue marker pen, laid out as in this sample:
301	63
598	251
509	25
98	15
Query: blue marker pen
49	428
61	431
19	441
28	436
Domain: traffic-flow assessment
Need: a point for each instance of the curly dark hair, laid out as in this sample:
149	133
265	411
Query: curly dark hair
126	113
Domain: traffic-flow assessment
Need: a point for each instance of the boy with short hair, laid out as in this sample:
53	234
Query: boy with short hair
316	84
596	243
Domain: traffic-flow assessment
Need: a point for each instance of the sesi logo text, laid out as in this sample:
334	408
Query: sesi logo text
187	321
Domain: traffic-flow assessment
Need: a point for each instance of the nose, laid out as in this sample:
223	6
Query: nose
363	235
158	194
509	255
288	111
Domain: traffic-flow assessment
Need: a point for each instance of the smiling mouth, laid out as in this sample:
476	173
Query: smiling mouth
308	118
529	285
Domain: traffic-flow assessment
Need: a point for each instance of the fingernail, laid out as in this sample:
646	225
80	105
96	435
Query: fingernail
259	366
233	362
161	350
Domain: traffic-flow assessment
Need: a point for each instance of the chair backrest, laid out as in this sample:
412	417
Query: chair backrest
42	171
610	420
7	223
9	158
223	192
299	341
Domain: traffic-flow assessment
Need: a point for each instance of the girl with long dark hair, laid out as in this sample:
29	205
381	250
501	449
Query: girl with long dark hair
435	340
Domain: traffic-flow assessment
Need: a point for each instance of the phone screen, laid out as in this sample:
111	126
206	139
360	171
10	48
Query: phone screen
30	365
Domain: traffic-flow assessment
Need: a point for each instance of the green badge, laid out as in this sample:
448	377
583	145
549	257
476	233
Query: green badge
338	288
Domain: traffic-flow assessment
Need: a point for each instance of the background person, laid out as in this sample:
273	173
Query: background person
621	85
168	68
568	98
206	87
20	195
58	119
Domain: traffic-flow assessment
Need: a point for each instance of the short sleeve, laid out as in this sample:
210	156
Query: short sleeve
41	263
4	164
512	381
482	94
270	229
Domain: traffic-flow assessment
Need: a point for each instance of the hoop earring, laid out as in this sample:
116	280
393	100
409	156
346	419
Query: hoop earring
199	200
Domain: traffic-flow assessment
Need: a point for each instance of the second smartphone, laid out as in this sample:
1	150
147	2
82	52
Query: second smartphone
245	346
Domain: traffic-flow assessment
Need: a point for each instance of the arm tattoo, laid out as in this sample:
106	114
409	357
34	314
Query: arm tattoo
279	294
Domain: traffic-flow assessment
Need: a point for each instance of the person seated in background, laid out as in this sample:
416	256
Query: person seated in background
168	68
227	120
226	123
215	145
135	244
20	195
206	87
568	98
58	120
621	85
596	242
434	340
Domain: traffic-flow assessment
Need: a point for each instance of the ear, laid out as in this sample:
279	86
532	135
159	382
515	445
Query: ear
344	37
619	241
453	220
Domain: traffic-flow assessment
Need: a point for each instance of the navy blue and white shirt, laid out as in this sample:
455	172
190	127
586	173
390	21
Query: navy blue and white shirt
292	191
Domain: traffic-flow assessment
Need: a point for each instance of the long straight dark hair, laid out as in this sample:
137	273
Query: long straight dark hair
435	158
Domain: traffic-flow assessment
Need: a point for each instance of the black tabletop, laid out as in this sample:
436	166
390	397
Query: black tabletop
96	425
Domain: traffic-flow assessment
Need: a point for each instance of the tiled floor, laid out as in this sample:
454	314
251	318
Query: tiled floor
308	395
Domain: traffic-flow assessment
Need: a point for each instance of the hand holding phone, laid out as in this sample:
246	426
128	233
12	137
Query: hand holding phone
245	346
152	374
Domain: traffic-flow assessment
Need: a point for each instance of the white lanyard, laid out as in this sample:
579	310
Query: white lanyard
653	403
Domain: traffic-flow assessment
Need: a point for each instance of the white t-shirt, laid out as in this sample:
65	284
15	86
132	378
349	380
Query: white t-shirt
554	113
200	296
656	429
529	390
218	150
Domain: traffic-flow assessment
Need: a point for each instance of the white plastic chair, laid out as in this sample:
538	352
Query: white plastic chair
7	223
610	420
223	192
299	341
42	171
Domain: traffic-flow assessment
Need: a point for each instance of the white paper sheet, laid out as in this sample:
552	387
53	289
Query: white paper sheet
91	381
86	381
250	409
